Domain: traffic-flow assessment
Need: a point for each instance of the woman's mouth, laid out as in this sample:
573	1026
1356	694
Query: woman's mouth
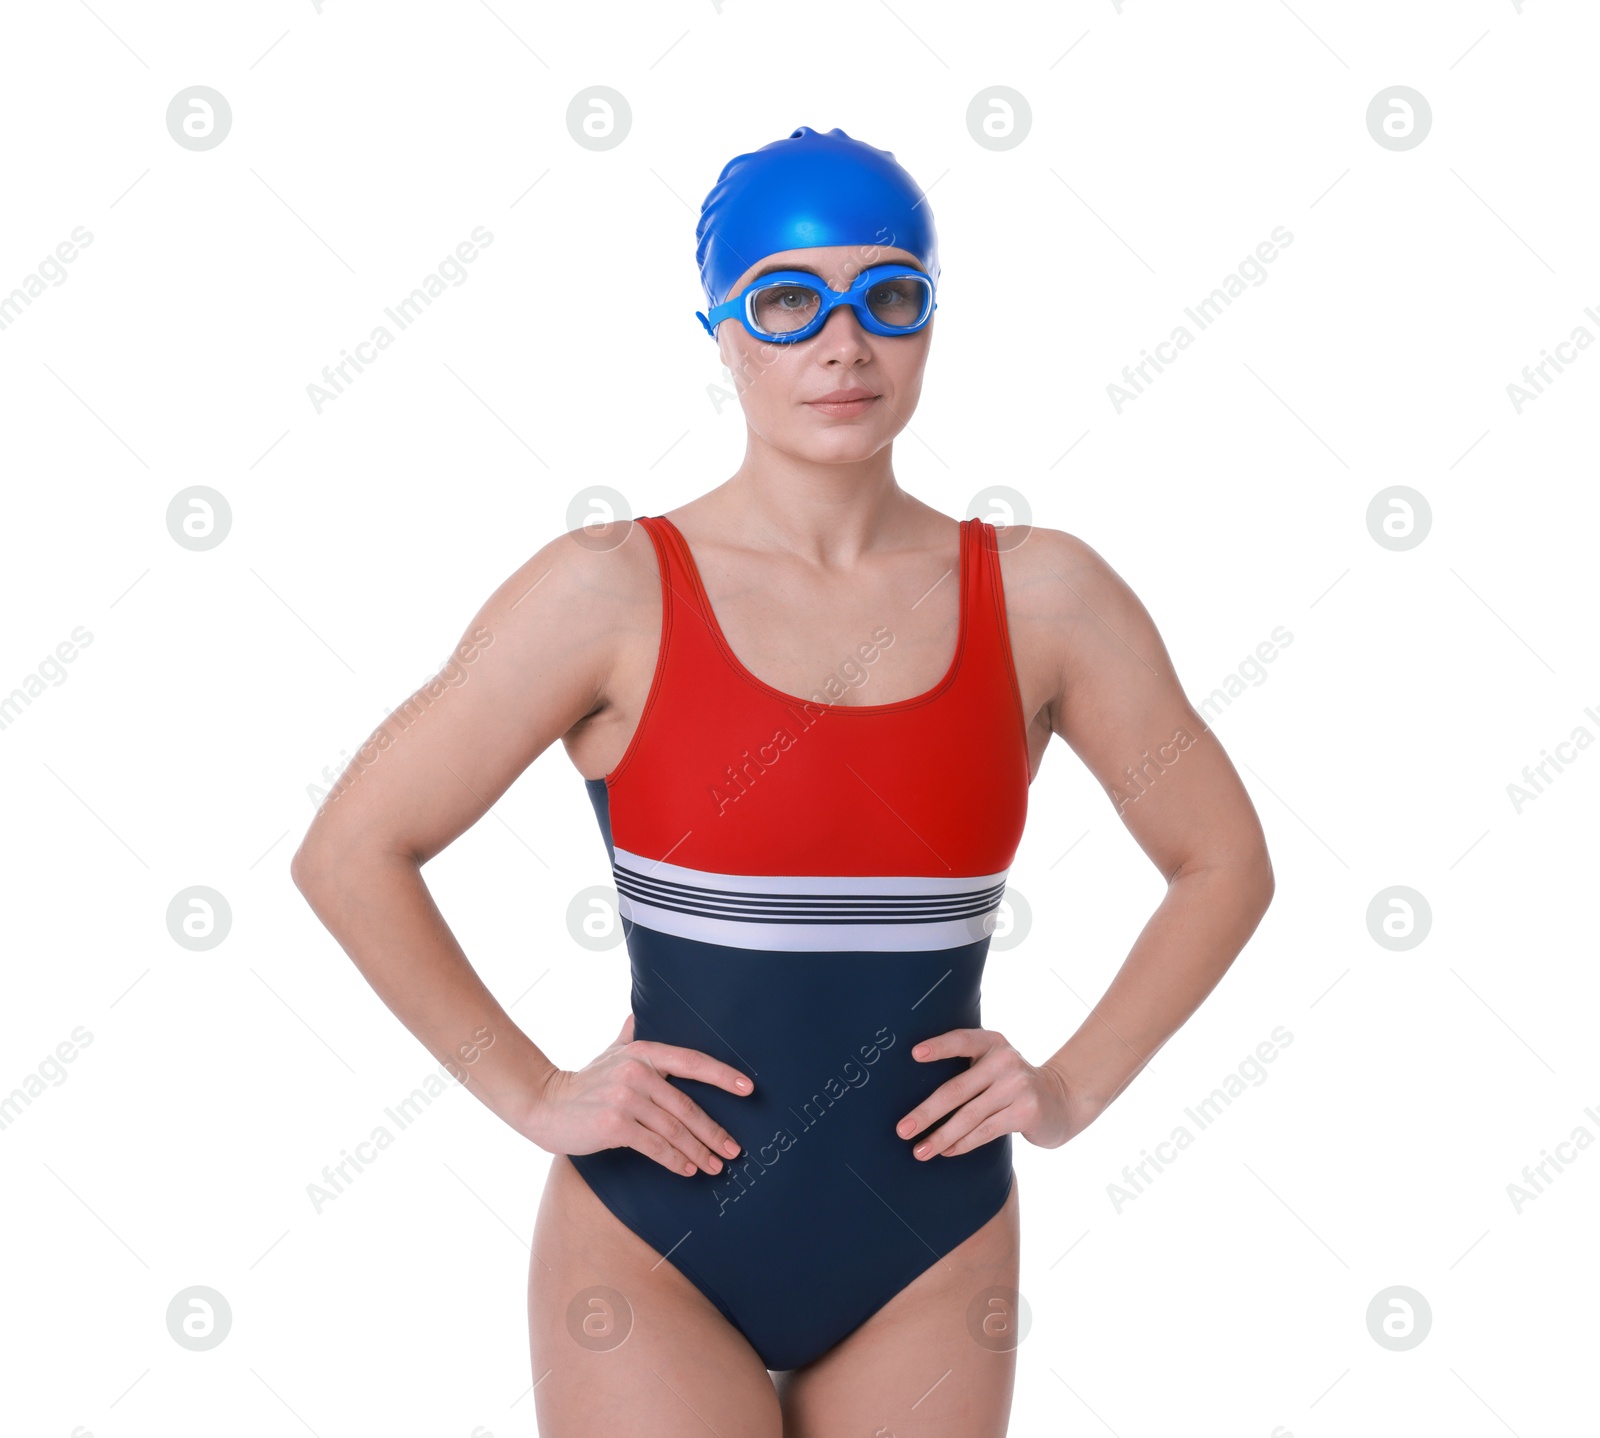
844	403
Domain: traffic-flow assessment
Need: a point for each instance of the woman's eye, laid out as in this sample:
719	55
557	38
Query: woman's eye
889	296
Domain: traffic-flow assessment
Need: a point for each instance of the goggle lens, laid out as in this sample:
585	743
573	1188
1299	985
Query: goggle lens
782	309
900	302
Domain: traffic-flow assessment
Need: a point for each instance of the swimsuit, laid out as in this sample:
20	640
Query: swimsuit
808	890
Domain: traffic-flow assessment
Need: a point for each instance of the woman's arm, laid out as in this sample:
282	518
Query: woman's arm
1118	704
537	659
532	663
1112	694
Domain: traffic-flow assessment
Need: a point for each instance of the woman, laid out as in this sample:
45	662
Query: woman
807	708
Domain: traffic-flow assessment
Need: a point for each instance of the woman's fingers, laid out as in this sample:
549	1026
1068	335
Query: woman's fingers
691	1063
947	1098
651	1144
623	1100
689	1139
687	1129
681	1120
953	1043
978	1103
972	1124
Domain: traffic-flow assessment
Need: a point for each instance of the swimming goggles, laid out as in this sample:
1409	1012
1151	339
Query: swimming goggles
788	306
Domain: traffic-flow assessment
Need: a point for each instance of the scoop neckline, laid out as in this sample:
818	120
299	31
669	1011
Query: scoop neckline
738	666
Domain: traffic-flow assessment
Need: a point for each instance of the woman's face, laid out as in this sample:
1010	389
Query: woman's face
780	385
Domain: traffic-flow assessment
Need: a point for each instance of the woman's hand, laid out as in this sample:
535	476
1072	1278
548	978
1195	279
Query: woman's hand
1000	1093
622	1100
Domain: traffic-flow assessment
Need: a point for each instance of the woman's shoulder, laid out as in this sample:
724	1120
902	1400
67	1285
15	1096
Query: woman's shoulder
582	587
614	559
1037	555
1057	583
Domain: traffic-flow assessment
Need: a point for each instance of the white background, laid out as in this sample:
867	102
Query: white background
1165	143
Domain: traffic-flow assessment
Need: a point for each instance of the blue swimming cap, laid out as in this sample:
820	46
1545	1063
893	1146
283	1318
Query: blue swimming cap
810	189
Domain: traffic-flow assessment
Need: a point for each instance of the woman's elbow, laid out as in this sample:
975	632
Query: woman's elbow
1263	885
319	859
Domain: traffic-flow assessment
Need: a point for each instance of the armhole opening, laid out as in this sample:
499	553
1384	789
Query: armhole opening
665	576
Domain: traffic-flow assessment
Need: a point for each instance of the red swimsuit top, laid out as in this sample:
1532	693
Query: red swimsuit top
728	779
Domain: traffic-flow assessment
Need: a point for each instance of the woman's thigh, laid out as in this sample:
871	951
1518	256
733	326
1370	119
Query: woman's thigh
937	1361
621	1341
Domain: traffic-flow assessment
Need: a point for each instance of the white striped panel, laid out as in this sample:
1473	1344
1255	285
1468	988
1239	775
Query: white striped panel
807	912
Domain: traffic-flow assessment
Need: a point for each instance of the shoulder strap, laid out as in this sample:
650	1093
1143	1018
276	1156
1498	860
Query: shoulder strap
988	634
688	644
